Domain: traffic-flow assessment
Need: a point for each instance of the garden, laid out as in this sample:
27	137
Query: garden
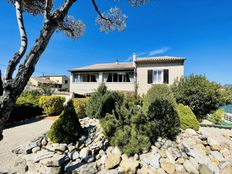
131	125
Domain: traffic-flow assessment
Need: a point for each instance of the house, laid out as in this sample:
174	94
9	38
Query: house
138	75
58	82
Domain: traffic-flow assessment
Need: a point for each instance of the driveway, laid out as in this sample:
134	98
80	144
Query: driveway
20	135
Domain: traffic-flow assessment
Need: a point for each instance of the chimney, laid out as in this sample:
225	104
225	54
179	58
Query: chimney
134	59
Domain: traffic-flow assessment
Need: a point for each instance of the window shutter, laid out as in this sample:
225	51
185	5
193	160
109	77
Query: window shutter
166	76
149	76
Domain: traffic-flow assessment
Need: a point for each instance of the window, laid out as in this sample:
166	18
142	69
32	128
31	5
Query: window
86	77
158	76
119	77
66	81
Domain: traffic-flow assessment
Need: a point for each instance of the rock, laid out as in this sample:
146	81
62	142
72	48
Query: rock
104	171
214	161
101	152
112	161
168	167
60	147
35	149
53	170
180	160
136	157
155	161
71	148
73	155
128	165
90	168
194	162
217	155
40	155
103	159
213	144
190	132
226	168
204	169
201	148
55	161
143	170
20	165
179	169
73	166
189	167
116	150
84	152
44	142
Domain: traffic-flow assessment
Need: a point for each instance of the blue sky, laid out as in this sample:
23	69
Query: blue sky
200	30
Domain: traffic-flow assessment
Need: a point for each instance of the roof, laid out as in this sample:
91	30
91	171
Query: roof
44	80
159	59
107	66
127	65
53	76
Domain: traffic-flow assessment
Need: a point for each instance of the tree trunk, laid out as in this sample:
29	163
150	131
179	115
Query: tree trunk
13	88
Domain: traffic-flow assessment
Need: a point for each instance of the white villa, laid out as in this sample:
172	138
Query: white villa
138	75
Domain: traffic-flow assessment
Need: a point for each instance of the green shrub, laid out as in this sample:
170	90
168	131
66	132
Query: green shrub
218	116
187	118
52	105
201	95
157	92
80	105
164	114
102	102
160	107
126	128
67	128
26	107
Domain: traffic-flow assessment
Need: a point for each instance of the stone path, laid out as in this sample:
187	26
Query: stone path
19	135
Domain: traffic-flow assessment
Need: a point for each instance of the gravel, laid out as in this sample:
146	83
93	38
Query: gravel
17	136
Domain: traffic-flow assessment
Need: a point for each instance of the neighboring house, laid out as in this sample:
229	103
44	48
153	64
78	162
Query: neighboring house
138	75
58	82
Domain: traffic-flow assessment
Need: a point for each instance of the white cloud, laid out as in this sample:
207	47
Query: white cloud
158	51
151	53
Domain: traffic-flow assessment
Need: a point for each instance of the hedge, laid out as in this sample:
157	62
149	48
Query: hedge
52	105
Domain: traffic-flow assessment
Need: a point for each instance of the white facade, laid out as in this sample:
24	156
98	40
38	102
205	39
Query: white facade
140	74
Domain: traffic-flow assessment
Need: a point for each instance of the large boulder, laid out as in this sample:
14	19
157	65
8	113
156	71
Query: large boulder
189	167
168	167
113	160
128	165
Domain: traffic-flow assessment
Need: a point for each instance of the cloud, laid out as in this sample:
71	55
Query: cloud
151	53
158	51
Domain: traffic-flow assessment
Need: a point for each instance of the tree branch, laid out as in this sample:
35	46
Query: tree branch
98	11
48	8
23	37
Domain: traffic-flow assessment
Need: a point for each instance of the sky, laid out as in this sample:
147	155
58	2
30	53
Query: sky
199	30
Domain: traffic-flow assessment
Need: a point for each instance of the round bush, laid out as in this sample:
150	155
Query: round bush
67	128
52	105
158	92
201	95
164	114
160	108
187	118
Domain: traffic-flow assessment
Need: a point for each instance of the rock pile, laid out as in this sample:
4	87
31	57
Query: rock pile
192	152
